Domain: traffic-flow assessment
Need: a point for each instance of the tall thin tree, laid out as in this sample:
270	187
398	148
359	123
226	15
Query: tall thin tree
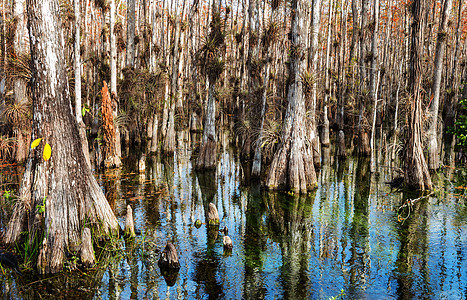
433	149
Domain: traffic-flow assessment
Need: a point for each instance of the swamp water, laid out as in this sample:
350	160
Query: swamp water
347	239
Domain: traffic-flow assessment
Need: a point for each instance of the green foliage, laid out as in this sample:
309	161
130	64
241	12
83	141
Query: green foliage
340	296
85	109
7	195
41	207
460	126
29	250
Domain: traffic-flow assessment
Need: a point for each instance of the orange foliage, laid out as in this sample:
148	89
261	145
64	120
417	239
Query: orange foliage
108	122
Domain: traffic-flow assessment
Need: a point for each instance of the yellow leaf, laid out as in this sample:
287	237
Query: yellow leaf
47	152
35	143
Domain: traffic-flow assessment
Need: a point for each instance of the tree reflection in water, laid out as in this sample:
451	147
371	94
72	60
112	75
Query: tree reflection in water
208	261
359	261
343	236
290	224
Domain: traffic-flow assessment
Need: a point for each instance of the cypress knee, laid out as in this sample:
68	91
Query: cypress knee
87	250
169	258
129	223
227	243
213	216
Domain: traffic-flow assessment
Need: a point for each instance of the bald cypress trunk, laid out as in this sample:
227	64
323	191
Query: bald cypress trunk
292	166
416	169
59	197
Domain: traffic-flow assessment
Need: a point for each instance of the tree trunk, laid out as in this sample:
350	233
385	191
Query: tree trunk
130	44
256	167
416	173
433	151
374	82
208	151
113	79
292	166
77	66
19	85
355	31
59	197
155	139
169	139
113	50
363	142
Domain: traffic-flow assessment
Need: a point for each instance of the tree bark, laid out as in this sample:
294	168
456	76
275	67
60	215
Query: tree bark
19	85
59	197
77	67
374	82
113	50
208	151
130	44
363	146
416	173
433	149
292	166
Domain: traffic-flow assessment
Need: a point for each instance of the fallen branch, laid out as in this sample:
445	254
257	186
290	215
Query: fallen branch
410	203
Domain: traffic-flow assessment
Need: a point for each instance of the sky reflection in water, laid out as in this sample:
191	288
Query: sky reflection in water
345	235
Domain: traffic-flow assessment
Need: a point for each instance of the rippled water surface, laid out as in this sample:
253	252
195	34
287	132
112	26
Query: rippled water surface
347	238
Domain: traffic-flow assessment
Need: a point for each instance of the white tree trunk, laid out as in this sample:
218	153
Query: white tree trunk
433	151
113	50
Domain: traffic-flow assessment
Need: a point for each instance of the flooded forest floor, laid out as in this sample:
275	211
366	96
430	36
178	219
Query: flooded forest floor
355	237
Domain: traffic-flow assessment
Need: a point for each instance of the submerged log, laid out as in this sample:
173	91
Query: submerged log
169	258
87	250
129	223
213	216
227	243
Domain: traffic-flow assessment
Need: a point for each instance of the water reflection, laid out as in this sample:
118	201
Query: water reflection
291	226
359	261
343	236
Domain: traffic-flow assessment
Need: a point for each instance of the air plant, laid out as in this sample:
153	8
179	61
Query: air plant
271	34
18	66
15	114
7	146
